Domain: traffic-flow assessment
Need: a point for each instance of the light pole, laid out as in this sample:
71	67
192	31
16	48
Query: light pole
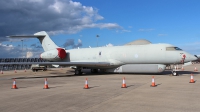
97	39
26	47
22	45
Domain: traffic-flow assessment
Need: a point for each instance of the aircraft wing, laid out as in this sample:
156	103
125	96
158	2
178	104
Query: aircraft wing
86	64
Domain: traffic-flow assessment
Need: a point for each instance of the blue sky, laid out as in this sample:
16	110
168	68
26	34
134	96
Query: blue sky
159	21
175	22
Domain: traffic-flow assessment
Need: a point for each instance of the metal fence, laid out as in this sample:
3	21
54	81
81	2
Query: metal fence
18	67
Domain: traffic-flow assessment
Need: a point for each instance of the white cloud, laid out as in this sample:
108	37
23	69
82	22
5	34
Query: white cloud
79	41
146	30
10	51
109	26
161	35
71	43
53	16
130	27
57	6
32	0
29	54
98	17
126	31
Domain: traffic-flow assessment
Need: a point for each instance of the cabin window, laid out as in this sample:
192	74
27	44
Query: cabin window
173	49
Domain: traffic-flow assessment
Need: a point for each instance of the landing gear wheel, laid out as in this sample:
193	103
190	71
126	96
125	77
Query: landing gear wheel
94	70
34	70
174	73
78	72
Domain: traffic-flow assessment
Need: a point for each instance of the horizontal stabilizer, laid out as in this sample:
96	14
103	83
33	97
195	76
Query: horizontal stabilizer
43	37
26	36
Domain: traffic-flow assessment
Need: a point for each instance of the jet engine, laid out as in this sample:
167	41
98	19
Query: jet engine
54	55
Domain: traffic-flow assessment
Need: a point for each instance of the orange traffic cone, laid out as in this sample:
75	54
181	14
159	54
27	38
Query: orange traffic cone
14	86
153	84
1	72
192	79
124	83
86	84
195	69
46	84
182	68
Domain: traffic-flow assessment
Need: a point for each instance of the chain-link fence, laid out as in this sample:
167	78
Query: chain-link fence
18	67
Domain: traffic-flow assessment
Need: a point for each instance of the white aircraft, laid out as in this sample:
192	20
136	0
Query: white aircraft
130	58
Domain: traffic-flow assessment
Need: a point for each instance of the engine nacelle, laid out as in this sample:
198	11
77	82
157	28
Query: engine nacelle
138	68
54	55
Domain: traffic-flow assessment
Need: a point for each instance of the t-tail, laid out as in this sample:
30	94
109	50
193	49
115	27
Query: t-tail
43	37
52	51
46	41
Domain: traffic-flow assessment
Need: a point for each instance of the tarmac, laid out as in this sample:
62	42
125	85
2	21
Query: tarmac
66	93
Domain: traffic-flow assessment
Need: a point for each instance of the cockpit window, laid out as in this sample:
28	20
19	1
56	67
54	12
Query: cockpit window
173	49
178	48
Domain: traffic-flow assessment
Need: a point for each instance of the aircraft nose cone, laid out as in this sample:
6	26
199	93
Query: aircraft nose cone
193	57
196	57
190	57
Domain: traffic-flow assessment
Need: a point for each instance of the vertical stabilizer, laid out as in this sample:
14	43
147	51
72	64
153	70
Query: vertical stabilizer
46	41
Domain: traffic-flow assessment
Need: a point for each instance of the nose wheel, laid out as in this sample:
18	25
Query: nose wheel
174	73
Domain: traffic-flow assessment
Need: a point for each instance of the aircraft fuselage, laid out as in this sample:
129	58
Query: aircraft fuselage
132	54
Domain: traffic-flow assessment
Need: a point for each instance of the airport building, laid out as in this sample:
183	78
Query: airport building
18	67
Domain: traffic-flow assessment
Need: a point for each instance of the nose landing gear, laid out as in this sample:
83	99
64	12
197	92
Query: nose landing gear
174	71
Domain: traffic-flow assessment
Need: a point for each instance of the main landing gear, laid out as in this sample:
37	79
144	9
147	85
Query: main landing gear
78	72
94	70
